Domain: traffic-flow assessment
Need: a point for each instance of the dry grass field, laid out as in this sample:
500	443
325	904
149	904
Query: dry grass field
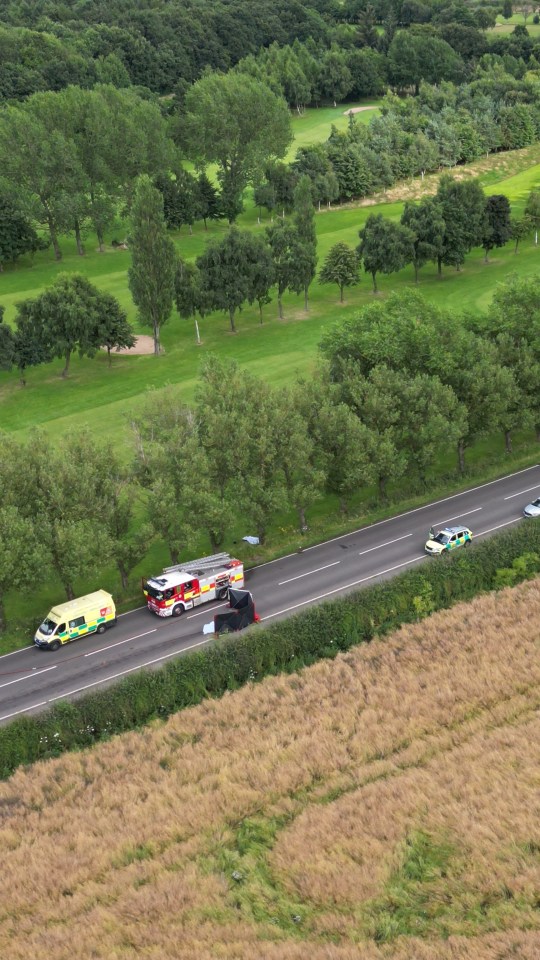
382	805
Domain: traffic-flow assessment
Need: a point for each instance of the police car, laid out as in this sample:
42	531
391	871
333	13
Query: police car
449	538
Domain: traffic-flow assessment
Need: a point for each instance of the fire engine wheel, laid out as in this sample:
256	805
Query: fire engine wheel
223	593
178	610
101	628
55	645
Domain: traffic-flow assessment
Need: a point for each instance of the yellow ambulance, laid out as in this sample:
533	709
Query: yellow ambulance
76	618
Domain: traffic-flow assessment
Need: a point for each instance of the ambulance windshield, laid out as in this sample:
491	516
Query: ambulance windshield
48	627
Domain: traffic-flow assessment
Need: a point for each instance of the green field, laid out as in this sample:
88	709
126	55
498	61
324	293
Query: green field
508	26
313	126
102	397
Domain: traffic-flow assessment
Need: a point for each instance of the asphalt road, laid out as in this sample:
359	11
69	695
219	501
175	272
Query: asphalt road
32	679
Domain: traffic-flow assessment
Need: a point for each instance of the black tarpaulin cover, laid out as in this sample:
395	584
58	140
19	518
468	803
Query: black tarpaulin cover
241	612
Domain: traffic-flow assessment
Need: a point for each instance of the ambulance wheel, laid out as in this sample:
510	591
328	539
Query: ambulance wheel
467	543
55	645
178	610
101	628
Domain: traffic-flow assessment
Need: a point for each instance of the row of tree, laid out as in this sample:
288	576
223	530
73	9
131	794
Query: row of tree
397	387
443	127
243	267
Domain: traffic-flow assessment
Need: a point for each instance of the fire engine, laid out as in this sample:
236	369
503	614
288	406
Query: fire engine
188	584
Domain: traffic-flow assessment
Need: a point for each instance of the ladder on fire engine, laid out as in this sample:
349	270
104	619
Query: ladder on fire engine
200	565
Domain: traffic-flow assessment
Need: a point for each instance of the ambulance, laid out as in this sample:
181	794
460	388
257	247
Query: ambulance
76	618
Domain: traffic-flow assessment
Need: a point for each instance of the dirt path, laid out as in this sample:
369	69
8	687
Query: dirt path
143	346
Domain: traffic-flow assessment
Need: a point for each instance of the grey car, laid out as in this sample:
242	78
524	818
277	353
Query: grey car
532	509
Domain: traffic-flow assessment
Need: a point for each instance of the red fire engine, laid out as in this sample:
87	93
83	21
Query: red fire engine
188	584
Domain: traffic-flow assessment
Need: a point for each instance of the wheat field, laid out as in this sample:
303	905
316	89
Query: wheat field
381	805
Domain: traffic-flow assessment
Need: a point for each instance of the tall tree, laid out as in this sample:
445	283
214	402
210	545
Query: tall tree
287	253
152	273
23	560
426	221
187	292
385	247
304	221
520	227
39	160
532	212
65	490
29	346
208	200
463	206
341	266
496	229
7	346
237	122
299	457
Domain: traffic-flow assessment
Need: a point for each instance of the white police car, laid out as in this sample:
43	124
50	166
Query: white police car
447	539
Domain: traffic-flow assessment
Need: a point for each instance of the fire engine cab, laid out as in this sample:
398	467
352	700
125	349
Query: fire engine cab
189	584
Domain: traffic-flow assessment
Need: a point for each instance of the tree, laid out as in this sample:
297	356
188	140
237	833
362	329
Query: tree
298	455
385	247
66	317
431	418
152	273
463	206
17	235
225	272
341	266
188	296
65	491
39	161
23	560
287	258
237	122
112	329
304	221
532	211
29	346
519	229
514	321
180	198
496	227
416	56
207	198
171	463
507	10
6	343
426	222
261	270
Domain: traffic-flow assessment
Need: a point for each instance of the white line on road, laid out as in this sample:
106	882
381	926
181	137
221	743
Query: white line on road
387	544
491	529
440	523
521	492
16	713
206	610
119	643
123	673
309	572
425	506
346	586
29	676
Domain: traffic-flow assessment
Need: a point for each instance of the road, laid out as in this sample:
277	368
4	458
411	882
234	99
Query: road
33	679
